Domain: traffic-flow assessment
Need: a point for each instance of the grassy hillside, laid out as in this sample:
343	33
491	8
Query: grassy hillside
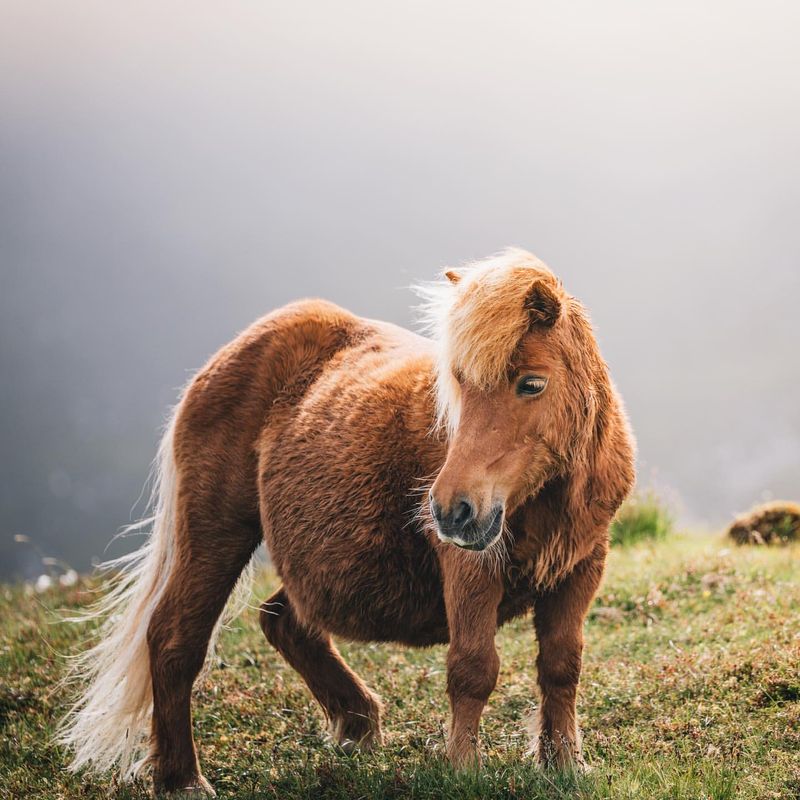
691	689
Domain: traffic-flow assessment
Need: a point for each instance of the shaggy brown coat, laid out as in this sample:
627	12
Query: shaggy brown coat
314	431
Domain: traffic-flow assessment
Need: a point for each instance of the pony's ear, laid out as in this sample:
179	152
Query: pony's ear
543	304
452	275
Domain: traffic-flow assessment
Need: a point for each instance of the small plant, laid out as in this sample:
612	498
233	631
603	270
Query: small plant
643	517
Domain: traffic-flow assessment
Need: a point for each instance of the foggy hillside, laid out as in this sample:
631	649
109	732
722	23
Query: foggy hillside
170	173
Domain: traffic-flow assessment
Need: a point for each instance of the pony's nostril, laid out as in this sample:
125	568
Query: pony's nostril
462	513
453	520
436	510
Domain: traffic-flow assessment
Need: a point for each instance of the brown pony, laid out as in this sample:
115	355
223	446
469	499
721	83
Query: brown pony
315	430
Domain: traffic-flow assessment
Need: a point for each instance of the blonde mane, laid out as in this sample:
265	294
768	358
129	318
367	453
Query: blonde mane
477	316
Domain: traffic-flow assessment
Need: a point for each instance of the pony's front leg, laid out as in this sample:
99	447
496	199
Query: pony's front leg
472	598
558	618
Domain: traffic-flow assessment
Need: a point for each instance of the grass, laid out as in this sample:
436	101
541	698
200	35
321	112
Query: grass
690	690
643	517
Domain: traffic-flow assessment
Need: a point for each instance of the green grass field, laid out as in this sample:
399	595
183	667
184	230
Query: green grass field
691	689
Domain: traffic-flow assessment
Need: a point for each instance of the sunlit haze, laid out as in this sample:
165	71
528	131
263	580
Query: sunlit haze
171	171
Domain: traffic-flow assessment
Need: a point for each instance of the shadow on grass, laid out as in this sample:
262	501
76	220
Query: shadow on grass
430	778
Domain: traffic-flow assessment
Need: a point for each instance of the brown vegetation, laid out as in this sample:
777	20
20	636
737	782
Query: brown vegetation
777	522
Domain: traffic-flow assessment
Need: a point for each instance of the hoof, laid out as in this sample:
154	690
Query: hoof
579	766
468	761
464	753
550	760
348	746
197	789
348	740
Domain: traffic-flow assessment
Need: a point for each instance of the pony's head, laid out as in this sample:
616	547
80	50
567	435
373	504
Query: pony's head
520	385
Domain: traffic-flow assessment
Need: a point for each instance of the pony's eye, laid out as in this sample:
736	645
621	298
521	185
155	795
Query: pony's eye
531	385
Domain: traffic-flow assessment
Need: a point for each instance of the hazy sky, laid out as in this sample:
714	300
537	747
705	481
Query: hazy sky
170	171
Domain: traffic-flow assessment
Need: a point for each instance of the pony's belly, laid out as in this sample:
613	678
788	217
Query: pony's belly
391	627
372	595
341	476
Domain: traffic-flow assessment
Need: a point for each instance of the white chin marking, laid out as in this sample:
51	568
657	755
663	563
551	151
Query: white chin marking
453	540
459	542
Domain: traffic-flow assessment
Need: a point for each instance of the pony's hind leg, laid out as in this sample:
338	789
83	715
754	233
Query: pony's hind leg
353	711
178	637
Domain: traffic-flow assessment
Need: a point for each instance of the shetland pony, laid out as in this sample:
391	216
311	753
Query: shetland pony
315	430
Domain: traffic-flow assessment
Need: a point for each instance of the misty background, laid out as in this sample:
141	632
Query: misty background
171	171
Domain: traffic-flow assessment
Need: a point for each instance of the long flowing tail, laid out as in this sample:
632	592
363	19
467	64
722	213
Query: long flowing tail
109	723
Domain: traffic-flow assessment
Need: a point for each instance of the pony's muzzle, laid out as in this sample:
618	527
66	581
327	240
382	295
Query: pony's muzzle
461	526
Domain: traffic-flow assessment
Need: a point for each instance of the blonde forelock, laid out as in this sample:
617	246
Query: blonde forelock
477	316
